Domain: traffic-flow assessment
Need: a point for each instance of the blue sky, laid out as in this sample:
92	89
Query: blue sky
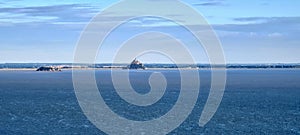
256	31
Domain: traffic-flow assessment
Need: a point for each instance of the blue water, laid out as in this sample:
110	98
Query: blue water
255	102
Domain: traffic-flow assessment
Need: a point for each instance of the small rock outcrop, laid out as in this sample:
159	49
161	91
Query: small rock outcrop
50	68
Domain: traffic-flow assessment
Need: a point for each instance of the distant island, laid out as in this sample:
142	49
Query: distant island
135	64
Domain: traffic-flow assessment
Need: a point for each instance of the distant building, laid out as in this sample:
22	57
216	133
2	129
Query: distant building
135	64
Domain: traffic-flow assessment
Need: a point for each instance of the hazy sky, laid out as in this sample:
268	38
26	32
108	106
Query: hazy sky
252	31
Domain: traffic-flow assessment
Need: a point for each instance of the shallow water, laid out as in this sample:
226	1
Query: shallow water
254	102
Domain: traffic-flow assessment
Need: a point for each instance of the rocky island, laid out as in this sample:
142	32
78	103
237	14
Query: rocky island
135	64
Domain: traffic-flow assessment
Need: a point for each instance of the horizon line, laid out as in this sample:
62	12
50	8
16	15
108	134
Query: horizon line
143	63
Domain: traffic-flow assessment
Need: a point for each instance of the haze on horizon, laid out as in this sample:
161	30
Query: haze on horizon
257	31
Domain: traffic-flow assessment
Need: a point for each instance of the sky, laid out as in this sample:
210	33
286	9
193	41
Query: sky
256	31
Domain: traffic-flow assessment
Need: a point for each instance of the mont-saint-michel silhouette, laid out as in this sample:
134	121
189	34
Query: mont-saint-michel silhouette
136	64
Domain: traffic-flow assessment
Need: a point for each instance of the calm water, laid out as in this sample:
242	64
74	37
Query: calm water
255	102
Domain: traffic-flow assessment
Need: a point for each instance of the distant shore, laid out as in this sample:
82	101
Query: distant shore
68	69
110	66
17	69
120	66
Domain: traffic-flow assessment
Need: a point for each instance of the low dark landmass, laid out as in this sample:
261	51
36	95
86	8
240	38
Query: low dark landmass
49	68
146	66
